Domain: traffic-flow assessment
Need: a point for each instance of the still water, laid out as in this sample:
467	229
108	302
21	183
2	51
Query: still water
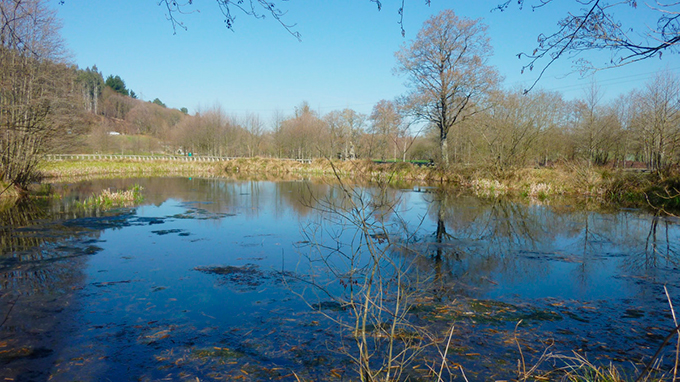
216	279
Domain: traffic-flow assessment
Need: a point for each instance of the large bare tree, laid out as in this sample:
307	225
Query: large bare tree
447	72
35	88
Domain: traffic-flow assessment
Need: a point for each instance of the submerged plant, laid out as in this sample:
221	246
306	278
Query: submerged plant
360	284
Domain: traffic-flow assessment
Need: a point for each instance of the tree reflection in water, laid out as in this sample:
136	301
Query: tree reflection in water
591	280
44	251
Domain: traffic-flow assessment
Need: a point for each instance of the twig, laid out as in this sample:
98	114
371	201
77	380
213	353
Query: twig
296	377
656	355
463	372
6	188
446	351
677	348
8	312
523	369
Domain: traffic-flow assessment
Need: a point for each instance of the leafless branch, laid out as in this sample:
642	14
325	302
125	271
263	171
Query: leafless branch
596	28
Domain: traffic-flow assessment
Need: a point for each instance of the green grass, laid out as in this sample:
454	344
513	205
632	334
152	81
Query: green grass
111	199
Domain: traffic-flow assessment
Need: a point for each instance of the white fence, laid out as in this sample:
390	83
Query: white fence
60	157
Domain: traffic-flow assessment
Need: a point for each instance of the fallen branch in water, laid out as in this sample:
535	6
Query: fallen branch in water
8	313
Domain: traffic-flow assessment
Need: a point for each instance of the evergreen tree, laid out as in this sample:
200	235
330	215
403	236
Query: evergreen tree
117	84
158	102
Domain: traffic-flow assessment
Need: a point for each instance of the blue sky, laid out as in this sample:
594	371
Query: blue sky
345	58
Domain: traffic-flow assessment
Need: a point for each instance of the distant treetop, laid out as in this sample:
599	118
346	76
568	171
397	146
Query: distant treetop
158	102
117	84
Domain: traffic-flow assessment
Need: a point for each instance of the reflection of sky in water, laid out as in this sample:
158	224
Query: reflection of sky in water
562	280
508	251
159	256
144	280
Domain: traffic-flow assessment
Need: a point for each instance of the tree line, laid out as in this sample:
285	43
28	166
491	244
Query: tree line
501	129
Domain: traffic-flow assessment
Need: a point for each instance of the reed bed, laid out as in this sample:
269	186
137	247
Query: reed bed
110	199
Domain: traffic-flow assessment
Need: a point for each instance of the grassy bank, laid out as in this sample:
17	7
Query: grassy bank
79	169
623	187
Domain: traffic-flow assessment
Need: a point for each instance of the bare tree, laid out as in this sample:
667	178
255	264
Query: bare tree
513	124
305	135
657	120
408	130
386	121
255	129
447	72
31	28
598	128
335	129
353	123
344	127
211	132
35	88
277	135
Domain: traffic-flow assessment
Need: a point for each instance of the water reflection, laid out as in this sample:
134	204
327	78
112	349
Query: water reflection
507	237
125	294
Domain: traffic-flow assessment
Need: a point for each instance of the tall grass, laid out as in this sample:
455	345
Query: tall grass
110	199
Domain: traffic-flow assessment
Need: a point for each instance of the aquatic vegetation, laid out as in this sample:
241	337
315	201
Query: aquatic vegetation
219	353
329	305
488	188
218	308
110	199
229	270
244	278
488	312
540	190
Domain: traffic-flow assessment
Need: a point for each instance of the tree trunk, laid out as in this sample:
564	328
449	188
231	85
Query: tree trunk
444	146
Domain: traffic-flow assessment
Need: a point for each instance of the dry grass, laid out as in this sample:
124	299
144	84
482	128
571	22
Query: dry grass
488	188
601	185
362	170
76	169
8	191
110	199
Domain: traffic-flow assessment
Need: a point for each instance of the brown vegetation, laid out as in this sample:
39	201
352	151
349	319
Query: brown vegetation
36	92
632	188
485	126
530	144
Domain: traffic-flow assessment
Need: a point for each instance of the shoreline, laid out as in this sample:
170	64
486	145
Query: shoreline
623	188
